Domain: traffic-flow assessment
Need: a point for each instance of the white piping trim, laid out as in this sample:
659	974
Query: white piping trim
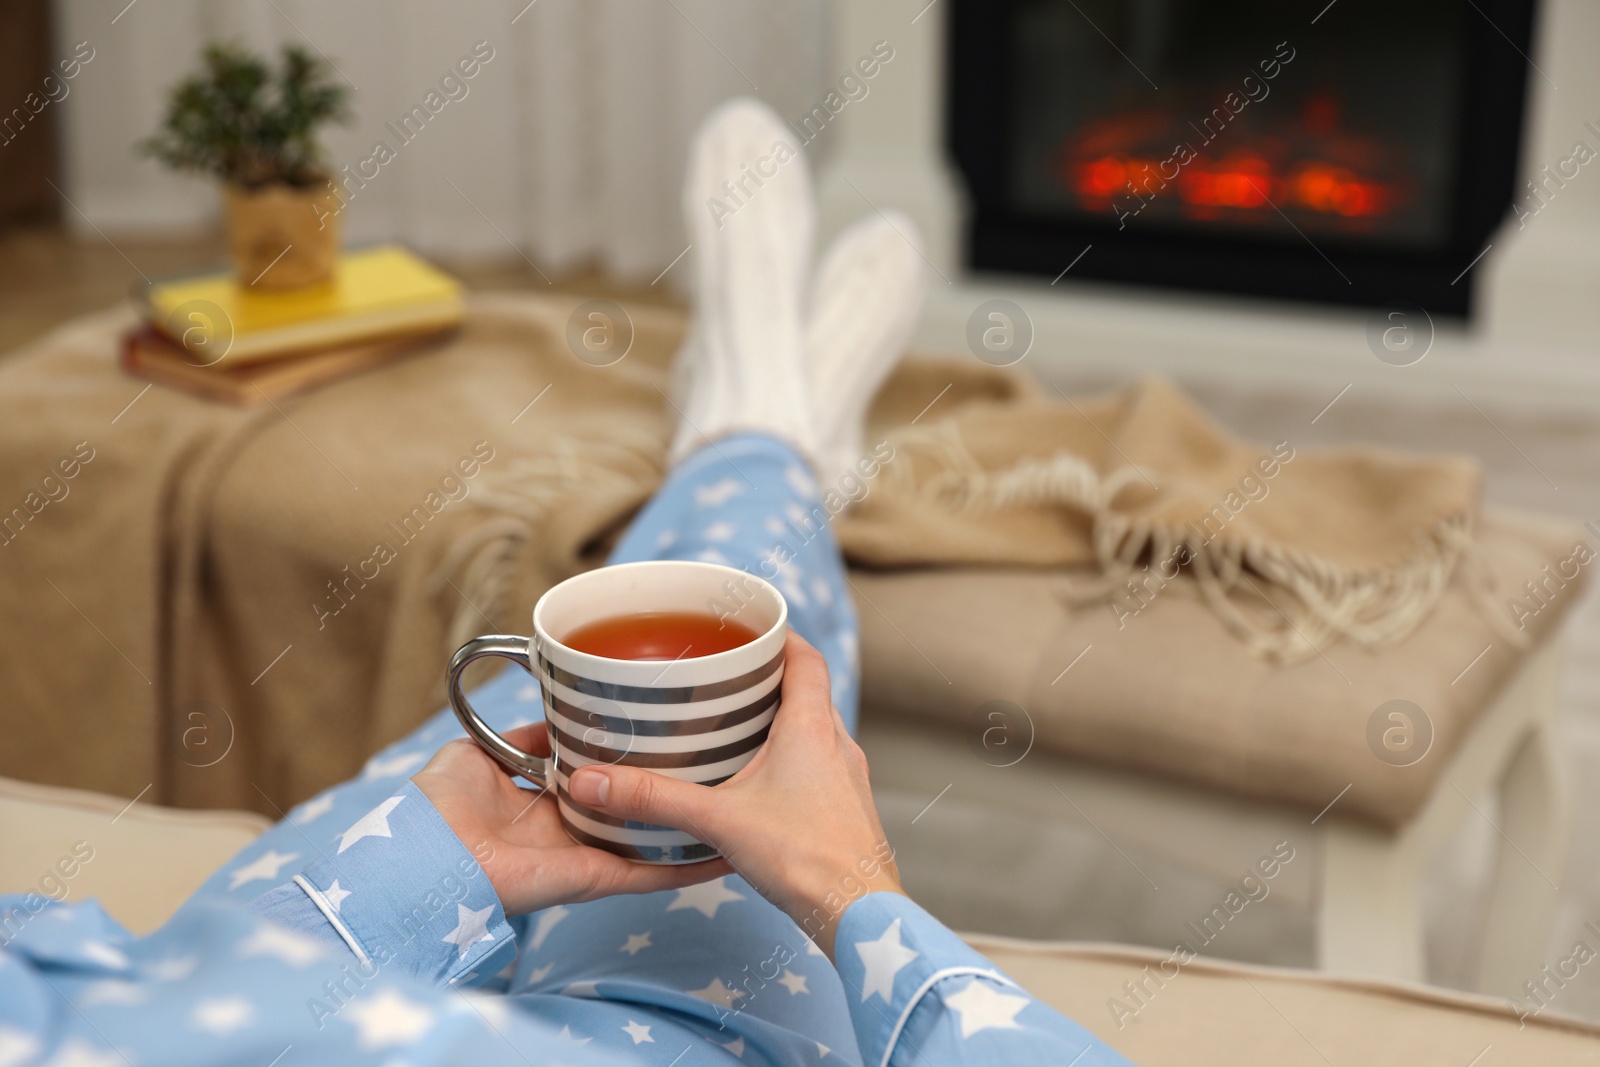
333	917
922	990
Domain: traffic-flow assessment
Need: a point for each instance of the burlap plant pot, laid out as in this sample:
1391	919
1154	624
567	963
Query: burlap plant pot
281	236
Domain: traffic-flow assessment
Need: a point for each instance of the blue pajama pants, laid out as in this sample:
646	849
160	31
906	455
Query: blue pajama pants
747	502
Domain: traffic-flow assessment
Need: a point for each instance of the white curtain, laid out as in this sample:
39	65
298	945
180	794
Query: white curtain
567	146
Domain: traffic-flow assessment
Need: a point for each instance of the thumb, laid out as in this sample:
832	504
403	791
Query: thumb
642	796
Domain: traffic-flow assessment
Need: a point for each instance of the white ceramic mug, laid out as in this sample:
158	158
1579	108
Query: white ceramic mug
698	719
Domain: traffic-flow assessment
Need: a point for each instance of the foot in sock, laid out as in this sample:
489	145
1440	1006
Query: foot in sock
752	235
865	301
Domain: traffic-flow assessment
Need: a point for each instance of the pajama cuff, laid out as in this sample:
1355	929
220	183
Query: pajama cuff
402	891
895	959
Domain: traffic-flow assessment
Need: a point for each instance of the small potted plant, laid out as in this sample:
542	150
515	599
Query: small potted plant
256	130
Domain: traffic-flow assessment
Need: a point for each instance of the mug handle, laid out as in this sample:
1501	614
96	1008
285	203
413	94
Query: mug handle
515	649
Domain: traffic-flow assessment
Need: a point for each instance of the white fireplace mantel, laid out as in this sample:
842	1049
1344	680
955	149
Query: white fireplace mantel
1535	341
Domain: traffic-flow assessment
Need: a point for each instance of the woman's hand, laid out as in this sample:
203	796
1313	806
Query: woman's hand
517	838
798	821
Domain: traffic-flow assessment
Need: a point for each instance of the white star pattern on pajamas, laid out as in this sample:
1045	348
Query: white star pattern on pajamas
374	823
666	538
789	586
883	959
388	1018
982	1007
172	968
75	1053
335	896
491	1008
802	483
706	897
718	493
711	555
546	923
266	865
222	1016
794	983
613	968
294	949
471	927
105	955
566	1034
717	993
393	766
851	649
16	1047
312	810
111	991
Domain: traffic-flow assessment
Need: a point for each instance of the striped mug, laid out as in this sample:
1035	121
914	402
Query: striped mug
697	719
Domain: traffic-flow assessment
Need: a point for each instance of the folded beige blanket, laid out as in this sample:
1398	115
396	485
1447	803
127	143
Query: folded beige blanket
1142	487
234	607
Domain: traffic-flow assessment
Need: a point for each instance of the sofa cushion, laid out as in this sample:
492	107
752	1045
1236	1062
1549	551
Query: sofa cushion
147	862
141	861
1167	690
1204	1012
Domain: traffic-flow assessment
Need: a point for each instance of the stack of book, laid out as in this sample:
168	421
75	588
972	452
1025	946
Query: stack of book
212	336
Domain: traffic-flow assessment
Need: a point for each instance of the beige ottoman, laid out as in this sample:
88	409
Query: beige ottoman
1161	731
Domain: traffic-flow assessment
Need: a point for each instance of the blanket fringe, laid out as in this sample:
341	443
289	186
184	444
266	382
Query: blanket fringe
482	564
1284	604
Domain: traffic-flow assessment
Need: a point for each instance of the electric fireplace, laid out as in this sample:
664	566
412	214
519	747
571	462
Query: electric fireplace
1354	152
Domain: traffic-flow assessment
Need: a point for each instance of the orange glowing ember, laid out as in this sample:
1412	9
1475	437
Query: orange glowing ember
1238	181
1321	187
1307	165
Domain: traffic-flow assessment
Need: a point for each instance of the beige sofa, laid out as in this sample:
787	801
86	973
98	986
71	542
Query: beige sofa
147	859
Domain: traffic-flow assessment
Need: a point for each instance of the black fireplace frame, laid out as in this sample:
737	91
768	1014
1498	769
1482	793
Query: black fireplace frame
1003	238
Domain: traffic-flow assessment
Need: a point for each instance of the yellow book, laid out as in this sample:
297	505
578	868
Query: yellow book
374	293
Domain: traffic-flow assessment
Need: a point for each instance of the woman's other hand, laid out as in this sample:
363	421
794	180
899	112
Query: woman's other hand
798	821
517	838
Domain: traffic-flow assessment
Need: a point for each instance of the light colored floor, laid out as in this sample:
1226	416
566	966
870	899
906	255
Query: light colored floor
1063	882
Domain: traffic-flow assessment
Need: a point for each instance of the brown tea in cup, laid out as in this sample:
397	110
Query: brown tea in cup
659	635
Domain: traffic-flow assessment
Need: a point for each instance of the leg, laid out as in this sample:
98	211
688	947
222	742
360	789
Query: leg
1367	909
715	960
1522	895
749	502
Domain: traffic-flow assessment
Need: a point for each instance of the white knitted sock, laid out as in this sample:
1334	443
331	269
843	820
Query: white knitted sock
751	216
865	303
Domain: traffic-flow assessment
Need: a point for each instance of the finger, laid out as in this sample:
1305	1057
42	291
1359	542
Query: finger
642	796
805	681
656	877
533	738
